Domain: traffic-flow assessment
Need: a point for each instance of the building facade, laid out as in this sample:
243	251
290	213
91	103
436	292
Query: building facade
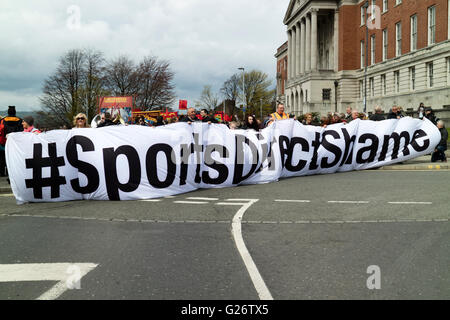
282	65
395	52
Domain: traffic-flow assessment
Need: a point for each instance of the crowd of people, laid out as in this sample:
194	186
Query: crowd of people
12	123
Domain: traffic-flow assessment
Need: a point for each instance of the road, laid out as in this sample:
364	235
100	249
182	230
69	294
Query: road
306	238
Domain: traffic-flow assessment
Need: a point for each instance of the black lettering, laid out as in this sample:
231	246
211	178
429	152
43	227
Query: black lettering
316	144
302	163
349	145
331	148
239	165
113	184
221	168
85	168
151	164
373	148
417	135
397	139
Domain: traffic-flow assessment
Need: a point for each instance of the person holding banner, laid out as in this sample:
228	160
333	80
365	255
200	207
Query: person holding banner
279	115
191	117
80	121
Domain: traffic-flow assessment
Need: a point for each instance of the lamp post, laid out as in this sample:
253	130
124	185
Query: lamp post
366	7
243	87
336	84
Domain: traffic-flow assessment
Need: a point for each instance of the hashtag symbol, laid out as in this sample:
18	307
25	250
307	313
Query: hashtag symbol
37	163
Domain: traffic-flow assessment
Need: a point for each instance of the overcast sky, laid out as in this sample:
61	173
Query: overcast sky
205	40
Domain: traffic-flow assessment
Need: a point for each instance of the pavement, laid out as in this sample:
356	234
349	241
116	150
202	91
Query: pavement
304	238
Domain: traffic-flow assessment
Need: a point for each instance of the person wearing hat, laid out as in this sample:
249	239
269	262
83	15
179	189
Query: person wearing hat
27	124
8	124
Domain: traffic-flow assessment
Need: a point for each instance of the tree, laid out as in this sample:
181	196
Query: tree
155	87
208	100
122	77
61	93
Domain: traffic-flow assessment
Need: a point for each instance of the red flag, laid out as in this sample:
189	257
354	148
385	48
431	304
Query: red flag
183	105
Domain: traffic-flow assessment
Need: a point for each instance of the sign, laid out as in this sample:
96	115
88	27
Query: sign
116	106
135	162
183	105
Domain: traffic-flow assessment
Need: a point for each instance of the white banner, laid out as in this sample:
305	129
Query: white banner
135	162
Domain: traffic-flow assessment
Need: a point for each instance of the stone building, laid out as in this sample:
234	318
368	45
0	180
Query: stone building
407	49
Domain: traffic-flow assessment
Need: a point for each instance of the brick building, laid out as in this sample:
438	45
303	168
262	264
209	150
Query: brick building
407	52
282	64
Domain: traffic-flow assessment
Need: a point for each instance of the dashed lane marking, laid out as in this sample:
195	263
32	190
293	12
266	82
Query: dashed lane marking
294	201
203	199
191	202
420	203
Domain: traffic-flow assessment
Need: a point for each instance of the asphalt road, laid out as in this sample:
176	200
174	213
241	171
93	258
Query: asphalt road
309	238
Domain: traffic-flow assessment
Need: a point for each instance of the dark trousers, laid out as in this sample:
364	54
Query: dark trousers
2	162
439	154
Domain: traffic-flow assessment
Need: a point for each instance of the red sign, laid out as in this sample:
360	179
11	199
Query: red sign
117	105
183	105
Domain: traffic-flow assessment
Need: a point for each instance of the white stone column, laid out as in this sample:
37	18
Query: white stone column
294	51
303	46
448	27
297	52
314	52
289	66
336	41
308	44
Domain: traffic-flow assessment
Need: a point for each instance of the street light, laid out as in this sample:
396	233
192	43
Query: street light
243	86
336	84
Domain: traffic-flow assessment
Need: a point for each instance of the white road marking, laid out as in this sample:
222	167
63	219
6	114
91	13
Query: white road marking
349	202
44	272
191	202
231	203
204	199
295	201
151	200
236	229
424	203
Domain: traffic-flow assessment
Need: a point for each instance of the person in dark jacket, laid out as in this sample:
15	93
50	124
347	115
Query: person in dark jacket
9	124
429	114
395	113
106	121
191	116
377	116
251	123
421	111
159	121
206	117
439	152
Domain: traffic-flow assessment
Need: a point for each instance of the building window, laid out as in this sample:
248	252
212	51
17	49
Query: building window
372	50
431	25
362	54
398	39
362	16
397	2
385	5
414	32
361	89
412	78
372	13
385	44
397	81
430	75
448	71
372	86
383	84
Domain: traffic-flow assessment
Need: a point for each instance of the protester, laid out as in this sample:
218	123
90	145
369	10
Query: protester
377	116
141	121
394	113
324	121
308	119
421	111
251	123
279	115
106	120
191	116
233	125
439	152
80	121
429	114
348	114
27	124
355	115
159	121
8	124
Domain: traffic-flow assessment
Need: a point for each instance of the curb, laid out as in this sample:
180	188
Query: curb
5	190
418	167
